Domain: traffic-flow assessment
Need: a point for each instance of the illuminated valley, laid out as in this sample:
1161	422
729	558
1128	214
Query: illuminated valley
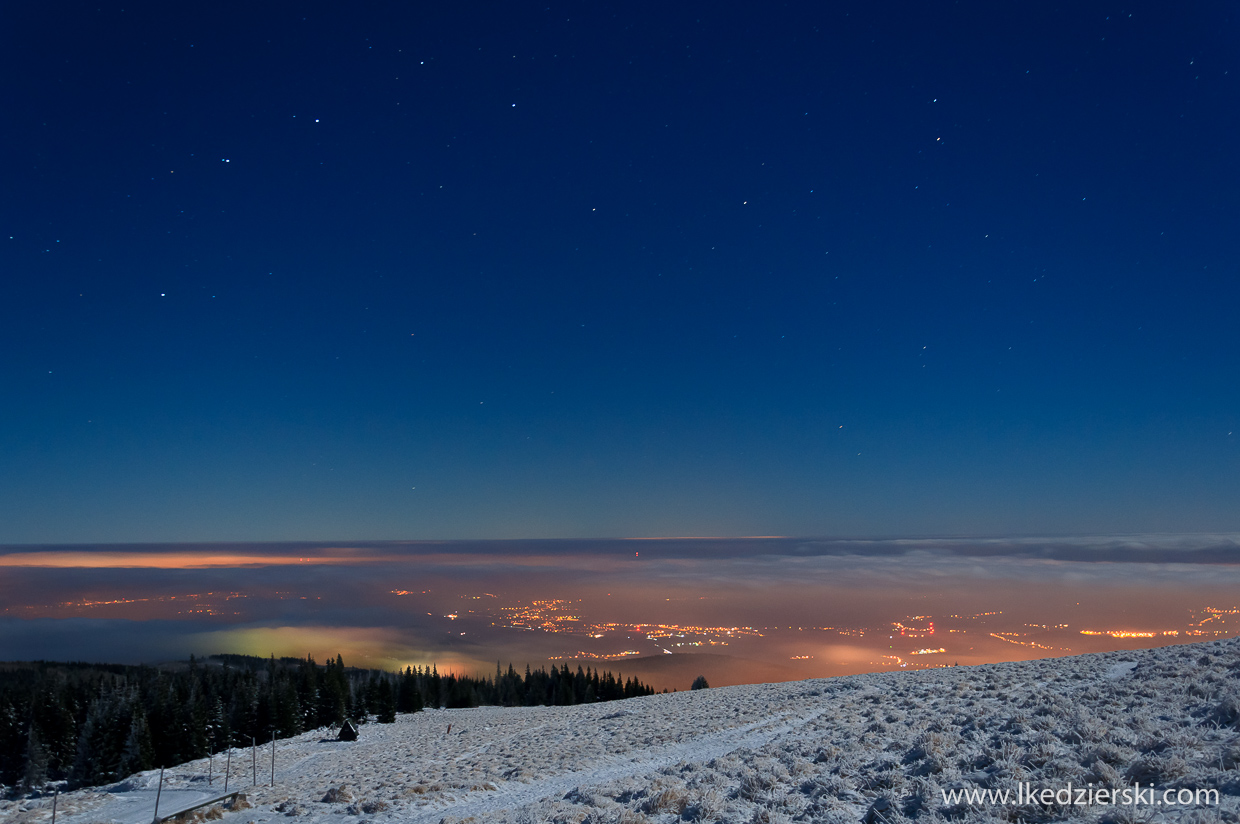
192	604
585	629
671	614
954	637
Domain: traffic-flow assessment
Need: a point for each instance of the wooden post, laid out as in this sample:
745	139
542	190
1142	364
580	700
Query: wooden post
210	766
273	758
158	791
227	768
55	796
254	759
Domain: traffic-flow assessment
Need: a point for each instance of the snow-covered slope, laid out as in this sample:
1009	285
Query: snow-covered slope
821	750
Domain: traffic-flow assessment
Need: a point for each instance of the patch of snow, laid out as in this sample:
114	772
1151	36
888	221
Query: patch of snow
822	750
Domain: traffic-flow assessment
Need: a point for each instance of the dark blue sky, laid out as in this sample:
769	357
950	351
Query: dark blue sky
312	271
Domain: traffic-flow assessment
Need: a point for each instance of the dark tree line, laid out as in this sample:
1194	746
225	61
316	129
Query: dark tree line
508	689
88	724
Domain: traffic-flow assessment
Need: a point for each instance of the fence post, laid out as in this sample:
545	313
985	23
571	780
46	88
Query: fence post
158	792
54	798
273	758
227	768
254	759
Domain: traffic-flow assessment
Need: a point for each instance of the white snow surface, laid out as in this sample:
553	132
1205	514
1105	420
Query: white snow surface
816	751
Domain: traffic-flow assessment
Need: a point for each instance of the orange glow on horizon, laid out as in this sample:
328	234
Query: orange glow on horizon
336	556
176	560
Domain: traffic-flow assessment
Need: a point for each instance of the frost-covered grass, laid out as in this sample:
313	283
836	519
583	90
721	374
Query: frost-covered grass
815	751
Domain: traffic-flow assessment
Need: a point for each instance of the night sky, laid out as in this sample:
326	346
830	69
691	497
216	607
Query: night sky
308	271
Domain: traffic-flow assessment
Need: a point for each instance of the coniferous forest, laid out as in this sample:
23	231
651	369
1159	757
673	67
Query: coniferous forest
88	724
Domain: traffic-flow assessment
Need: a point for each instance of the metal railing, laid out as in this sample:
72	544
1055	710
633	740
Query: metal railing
161	818
158	819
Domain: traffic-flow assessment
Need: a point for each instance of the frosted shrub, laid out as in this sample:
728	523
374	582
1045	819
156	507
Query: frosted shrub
1226	711
883	780
669	799
579	796
1039	754
1010	752
934	744
825	785
1105	775
1158	769
1089	728
707	806
755	786
922	796
338	795
827	754
1045	722
769	816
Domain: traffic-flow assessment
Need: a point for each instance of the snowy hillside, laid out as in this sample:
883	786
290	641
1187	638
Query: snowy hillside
820	750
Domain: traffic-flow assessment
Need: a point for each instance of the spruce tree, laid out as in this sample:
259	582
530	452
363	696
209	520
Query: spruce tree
138	754
12	744
385	703
35	772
